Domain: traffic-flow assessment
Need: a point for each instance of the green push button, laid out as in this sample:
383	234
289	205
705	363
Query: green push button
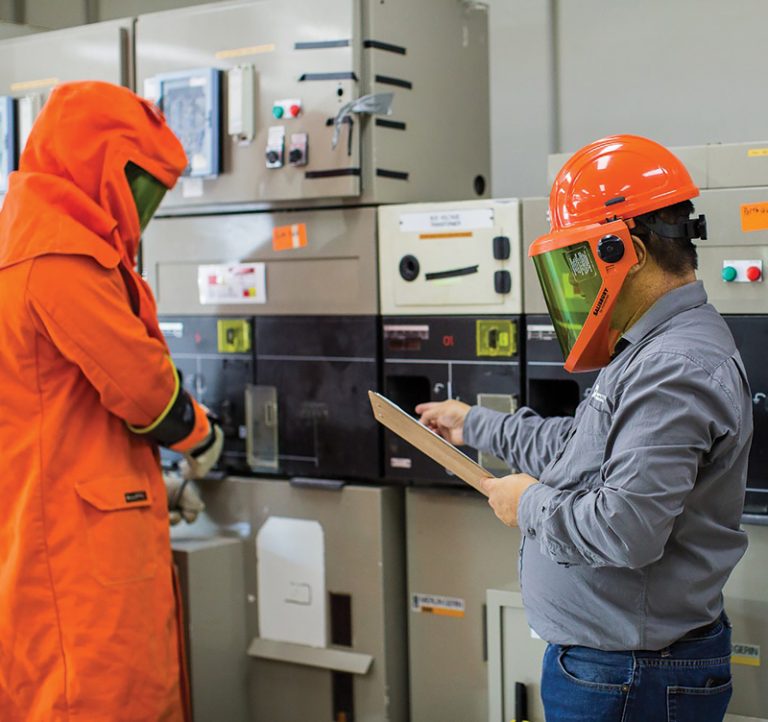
278	111
729	274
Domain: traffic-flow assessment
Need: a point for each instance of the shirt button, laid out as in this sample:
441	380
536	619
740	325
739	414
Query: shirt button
531	532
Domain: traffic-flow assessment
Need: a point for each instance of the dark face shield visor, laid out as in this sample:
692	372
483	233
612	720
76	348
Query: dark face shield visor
147	191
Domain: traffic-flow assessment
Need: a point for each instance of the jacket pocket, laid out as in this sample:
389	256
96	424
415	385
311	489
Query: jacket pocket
118	522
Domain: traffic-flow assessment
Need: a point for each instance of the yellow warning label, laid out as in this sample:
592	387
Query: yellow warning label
757	152
234	335
746	654
496	337
242	52
33	84
431	236
443	612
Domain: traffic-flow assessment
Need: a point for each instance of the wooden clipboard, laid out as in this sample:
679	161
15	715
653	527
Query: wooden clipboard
427	441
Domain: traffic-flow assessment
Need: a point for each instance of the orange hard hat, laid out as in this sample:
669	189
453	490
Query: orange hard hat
621	176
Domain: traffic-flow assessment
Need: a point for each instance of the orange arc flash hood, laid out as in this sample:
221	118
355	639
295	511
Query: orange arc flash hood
73	170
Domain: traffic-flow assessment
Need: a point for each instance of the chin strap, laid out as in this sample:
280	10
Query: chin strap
692	228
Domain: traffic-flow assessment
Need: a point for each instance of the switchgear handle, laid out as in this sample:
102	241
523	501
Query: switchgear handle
270	414
521	702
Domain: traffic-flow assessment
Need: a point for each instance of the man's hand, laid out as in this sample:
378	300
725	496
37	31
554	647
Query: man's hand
446	418
504	495
183	500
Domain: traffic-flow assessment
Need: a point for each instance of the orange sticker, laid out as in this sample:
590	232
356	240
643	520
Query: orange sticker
287	238
443	612
428	236
754	217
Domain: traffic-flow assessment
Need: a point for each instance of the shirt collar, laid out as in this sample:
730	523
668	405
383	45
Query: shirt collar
670	304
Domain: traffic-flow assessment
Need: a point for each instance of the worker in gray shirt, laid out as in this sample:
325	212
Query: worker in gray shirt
629	511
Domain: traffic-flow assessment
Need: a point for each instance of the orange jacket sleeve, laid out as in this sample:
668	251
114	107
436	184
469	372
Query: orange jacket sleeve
83	309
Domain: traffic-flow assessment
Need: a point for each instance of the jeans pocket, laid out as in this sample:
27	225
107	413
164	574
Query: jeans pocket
593	669
699	704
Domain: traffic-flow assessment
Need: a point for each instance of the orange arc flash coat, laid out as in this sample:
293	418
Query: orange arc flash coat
87	615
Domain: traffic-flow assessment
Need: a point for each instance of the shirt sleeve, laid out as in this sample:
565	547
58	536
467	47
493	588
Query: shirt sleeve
525	440
83	309
670	415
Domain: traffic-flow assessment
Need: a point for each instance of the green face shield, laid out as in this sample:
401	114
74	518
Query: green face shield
147	192
570	280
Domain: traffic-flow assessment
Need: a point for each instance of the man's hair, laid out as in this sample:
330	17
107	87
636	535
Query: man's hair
674	255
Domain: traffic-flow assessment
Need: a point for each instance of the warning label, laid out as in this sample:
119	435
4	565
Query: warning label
748	654
436	604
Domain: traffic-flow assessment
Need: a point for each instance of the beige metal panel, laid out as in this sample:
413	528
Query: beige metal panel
437	247
733	165
335	273
746	602
446	143
363	528
456	548
535	224
514	655
723	211
739	298
35	63
213	592
224	35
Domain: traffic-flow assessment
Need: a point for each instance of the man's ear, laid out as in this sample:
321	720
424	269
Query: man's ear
642	256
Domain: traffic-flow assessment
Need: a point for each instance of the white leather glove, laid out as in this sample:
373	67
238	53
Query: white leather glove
183	501
200	460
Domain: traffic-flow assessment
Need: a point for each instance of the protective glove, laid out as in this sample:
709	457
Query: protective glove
183	501
200	460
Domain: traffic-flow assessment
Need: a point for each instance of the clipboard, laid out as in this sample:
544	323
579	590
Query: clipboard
427	441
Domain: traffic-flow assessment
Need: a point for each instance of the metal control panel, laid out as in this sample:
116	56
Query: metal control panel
434	358
316	422
215	358
30	66
450	258
314	261
342	548
349	102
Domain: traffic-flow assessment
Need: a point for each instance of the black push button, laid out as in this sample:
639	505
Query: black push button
409	267
502	281
501	248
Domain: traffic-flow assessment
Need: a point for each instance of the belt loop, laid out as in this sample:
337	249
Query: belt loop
666	652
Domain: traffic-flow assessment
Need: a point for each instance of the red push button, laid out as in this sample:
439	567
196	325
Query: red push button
295	110
754	273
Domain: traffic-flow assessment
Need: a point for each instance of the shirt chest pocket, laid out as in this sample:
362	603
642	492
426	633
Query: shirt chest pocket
578	467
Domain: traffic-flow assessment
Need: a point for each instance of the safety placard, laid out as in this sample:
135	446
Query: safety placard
232	283
287	238
754	217
449	220
438	604
748	654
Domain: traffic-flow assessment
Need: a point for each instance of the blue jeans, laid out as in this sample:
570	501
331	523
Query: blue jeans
689	681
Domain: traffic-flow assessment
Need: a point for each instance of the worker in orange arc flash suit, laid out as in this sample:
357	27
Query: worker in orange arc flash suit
88	620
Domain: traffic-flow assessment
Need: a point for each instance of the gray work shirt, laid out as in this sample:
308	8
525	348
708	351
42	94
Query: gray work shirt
634	529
